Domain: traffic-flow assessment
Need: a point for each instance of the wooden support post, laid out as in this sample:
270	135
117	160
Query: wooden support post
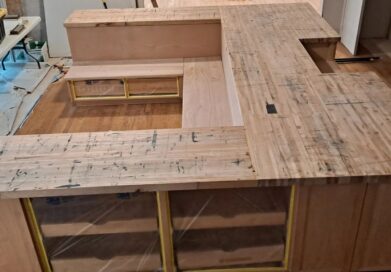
36	234
166	231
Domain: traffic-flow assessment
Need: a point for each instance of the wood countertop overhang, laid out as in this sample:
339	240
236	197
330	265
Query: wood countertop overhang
329	128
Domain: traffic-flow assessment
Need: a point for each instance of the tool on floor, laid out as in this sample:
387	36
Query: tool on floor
356	59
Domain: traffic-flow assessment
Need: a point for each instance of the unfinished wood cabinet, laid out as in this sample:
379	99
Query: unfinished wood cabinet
230	228
373	248
154	86
98	88
17	253
140	82
90	233
326	223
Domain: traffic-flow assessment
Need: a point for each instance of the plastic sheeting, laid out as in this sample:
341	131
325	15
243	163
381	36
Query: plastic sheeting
100	233
232	228
212	229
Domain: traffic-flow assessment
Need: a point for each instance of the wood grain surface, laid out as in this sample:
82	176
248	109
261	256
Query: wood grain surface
326	125
300	125
317	4
63	164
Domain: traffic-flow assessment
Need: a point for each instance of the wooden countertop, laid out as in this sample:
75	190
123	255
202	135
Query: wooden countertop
329	128
122	17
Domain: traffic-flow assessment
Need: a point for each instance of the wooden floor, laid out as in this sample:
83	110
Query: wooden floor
369	47
56	114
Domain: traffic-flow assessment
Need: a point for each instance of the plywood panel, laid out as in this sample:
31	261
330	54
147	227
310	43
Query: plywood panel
16	247
145	42
154	86
236	112
205	97
373	249
327	219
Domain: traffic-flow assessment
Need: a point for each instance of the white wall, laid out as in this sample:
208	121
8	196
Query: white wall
56	11
351	24
333	12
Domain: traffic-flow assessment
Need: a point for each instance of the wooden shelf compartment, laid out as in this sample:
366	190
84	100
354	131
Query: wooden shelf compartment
228	208
137	90
137	82
112	252
208	98
229	248
98	88
101	214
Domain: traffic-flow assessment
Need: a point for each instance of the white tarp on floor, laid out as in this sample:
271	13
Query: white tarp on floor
16	82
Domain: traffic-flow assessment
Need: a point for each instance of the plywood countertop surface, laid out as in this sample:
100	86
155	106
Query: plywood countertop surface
328	128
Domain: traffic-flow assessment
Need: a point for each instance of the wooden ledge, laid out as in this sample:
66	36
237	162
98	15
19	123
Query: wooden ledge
128	17
141	69
91	163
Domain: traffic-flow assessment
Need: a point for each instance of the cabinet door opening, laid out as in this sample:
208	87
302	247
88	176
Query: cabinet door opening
90	233
230	228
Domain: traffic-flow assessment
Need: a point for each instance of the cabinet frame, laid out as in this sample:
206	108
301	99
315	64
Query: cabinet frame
36	235
127	92
166	237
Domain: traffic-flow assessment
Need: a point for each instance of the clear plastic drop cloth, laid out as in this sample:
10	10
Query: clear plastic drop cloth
230	228
115	233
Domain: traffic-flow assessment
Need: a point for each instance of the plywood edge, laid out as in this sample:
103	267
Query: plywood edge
236	111
141	69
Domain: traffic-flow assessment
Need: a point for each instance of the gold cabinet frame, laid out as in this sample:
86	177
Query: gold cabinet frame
166	234
127	93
